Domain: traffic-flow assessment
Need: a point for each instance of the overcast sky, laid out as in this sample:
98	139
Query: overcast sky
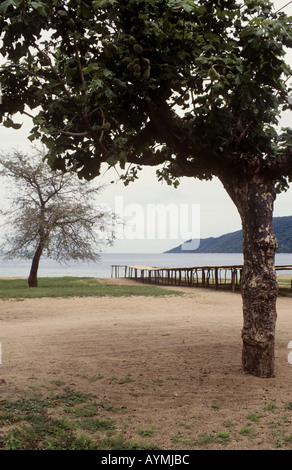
196	208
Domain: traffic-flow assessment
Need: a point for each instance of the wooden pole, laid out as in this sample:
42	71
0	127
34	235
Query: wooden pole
232	280
216	278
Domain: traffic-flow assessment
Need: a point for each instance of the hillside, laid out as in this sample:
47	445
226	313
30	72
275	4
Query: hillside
232	242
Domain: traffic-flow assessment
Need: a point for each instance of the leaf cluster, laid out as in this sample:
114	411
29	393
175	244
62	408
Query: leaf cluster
188	85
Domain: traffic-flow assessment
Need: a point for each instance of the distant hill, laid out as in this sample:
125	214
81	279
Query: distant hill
232	242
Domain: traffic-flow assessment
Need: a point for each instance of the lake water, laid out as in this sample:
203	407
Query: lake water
102	269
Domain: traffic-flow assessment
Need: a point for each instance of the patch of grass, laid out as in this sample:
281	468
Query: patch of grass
246	431
204	439
284	287
27	406
67	421
146	432
8	418
57	383
97	424
112	443
215	406
288	439
270	407
254	417
223	437
71	420
127	379
229	424
44	433
66	287
89	410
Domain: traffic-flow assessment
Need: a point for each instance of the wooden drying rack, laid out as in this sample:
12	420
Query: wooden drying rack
199	276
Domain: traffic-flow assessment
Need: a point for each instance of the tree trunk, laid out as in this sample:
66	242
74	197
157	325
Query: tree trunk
32	279
254	199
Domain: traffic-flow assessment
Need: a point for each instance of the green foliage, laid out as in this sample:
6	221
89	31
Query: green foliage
192	85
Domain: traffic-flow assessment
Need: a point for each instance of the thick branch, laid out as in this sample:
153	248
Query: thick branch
149	158
164	119
279	167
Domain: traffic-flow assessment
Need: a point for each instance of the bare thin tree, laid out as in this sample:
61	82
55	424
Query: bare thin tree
51	213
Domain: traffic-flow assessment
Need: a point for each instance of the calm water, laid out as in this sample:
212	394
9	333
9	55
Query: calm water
20	268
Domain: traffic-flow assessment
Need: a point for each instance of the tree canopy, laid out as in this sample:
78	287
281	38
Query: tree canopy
192	86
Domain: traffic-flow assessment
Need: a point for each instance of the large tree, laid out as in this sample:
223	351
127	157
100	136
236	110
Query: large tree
51	213
195	88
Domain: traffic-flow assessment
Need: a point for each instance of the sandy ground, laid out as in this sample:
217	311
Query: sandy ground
173	363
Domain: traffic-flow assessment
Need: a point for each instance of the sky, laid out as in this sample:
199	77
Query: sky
157	216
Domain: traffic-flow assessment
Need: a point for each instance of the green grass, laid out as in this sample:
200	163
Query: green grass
146	432
67	421
285	287
66	287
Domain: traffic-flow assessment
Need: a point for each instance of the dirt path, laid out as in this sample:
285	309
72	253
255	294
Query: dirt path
173	363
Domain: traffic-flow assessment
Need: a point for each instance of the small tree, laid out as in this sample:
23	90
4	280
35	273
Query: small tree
52	213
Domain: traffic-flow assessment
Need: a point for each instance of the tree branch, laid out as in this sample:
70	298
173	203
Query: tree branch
73	134
279	167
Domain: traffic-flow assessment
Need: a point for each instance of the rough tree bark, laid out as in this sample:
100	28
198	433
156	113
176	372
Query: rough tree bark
254	198
32	279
